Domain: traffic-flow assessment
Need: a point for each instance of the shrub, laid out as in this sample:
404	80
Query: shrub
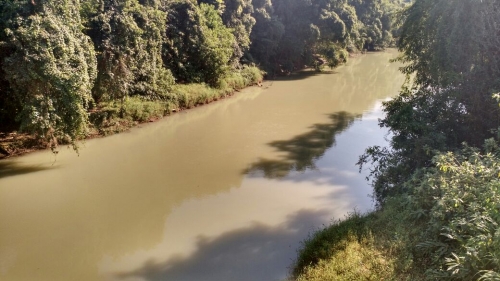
459	200
137	109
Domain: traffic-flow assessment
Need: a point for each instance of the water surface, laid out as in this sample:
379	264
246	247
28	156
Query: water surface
222	192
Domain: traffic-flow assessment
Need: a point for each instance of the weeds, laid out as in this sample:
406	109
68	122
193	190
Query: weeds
119	115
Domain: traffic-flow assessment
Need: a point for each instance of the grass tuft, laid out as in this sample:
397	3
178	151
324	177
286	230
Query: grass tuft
374	246
119	115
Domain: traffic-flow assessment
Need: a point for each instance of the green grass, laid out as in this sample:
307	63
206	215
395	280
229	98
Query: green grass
374	246
119	115
357	260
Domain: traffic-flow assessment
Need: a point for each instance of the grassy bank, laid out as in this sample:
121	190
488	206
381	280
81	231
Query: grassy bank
116	116
444	226
372	246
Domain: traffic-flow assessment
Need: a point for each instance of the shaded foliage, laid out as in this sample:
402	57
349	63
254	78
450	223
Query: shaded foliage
50	67
63	59
450	51
197	46
291	34
443	162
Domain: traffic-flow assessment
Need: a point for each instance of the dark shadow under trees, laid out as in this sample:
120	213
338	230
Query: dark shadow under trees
8	169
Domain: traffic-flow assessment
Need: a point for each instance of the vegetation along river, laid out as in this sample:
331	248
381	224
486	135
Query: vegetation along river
221	192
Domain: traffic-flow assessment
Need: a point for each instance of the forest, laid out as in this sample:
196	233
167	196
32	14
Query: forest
71	69
437	185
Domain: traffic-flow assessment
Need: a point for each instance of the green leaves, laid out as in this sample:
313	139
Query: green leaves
61	57
197	45
128	37
461	195
450	50
51	69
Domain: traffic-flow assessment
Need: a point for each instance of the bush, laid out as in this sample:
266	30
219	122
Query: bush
137	109
459	200
116	116
334	55
191	95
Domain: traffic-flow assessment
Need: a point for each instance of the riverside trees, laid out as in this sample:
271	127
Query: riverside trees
49	65
451	48
61	58
443	161
438	184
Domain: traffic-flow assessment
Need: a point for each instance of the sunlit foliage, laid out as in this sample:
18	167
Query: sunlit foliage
50	67
63	59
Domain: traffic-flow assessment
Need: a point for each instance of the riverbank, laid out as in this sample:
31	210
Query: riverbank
444	226
107	118
373	246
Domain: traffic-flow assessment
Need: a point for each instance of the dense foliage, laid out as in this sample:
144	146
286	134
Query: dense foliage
443	162
438	184
50	67
198	47
457	203
450	50
70	65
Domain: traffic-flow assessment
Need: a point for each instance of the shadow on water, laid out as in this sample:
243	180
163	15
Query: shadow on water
304	74
303	150
8	169
259	252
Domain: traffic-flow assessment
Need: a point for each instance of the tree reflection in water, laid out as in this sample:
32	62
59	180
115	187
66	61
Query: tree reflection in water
12	168
303	150
258	252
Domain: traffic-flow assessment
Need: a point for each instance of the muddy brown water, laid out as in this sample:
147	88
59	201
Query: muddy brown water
221	192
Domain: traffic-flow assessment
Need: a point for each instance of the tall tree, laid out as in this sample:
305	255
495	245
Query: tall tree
266	35
197	45
452	49
238	16
128	37
50	67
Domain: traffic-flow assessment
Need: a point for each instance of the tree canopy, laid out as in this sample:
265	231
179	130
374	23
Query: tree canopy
50	67
443	159
62	59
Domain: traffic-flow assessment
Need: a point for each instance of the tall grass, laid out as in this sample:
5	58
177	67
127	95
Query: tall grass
361	247
119	115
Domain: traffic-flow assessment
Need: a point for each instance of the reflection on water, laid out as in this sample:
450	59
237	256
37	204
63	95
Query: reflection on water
266	247
301	152
173	200
8	169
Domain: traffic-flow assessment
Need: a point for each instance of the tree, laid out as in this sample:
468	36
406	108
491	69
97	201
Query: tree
452	49
238	17
266	35
197	45
50	67
128	37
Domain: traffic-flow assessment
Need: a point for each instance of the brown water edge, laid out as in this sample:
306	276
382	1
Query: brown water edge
14	144
222	192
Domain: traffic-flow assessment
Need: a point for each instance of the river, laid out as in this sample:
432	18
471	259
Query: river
225	191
